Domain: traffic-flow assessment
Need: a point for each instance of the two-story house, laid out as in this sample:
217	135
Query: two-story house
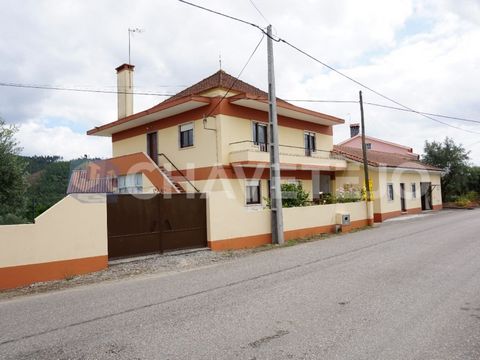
213	136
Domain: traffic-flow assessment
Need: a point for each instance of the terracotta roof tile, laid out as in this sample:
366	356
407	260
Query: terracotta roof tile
219	80
379	158
80	182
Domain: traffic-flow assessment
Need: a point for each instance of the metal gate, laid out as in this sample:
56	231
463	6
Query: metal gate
145	223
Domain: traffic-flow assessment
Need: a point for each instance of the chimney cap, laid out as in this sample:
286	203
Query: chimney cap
125	67
355	125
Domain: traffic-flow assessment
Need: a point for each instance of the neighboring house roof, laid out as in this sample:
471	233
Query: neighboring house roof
220	80
379	158
345	142
101	176
81	182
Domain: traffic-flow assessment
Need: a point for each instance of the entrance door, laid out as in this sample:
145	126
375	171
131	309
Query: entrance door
321	183
152	146
426	192
402	197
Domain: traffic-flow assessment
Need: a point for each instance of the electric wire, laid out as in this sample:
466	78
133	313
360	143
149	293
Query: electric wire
258	10
237	78
386	107
278	39
372	90
58	88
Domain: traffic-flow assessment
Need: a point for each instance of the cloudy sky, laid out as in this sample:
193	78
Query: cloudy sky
424	54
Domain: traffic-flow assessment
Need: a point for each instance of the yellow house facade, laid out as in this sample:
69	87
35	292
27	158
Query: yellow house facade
213	138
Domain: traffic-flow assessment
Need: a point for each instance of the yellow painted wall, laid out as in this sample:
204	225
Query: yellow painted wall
131	145
213	147
251	221
382	176
74	228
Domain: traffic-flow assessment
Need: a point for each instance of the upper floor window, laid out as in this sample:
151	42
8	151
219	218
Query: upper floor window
186	135
368	146
390	192
130	184
260	135
310	145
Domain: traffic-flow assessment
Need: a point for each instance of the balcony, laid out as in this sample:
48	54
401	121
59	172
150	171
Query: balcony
249	154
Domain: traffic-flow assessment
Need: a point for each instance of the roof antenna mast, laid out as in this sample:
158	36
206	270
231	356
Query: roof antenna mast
130	32
220	60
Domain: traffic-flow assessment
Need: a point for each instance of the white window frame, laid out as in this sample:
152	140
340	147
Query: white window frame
390	186
267	133
314	135
252	183
180	135
130	183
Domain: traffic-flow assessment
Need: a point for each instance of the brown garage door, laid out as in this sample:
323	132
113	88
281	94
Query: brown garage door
146	224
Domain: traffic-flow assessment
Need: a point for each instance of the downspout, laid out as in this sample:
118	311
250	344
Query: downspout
205	120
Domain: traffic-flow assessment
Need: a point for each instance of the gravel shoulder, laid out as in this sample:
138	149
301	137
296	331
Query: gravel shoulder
133	267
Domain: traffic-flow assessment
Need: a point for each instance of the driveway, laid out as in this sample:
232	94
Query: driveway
405	290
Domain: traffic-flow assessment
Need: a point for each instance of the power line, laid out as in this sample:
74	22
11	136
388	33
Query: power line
329	67
324	101
258	10
425	113
237	78
224	15
372	90
387	107
58	88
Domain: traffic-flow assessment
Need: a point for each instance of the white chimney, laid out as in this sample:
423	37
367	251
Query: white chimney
125	90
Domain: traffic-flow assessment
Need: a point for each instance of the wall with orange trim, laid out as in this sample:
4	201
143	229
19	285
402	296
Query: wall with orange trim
232	224
68	239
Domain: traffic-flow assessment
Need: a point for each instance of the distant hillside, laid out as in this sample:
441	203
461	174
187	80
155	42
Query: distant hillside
48	179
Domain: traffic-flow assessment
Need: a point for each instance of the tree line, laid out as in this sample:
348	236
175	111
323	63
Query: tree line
29	185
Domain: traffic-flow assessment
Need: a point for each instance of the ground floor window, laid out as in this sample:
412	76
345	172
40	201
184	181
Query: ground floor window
390	192
252	192
130	184
414	191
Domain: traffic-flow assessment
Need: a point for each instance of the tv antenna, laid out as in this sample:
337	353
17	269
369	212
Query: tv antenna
130	32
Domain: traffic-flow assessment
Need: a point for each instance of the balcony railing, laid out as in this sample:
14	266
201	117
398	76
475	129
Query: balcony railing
289	150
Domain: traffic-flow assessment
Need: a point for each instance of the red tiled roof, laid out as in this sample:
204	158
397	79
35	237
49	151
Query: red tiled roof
379	158
219	80
81	182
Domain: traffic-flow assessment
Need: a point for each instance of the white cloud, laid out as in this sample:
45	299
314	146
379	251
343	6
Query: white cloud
423	53
37	138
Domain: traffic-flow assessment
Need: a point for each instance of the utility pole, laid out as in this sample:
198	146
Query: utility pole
275	190
364	149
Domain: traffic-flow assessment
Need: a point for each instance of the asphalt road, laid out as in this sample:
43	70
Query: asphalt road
407	290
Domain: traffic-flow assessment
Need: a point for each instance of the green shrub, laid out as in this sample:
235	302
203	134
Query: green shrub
293	195
472	196
327	198
463	201
348	193
12	219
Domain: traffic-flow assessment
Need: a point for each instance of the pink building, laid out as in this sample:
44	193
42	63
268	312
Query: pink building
355	141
